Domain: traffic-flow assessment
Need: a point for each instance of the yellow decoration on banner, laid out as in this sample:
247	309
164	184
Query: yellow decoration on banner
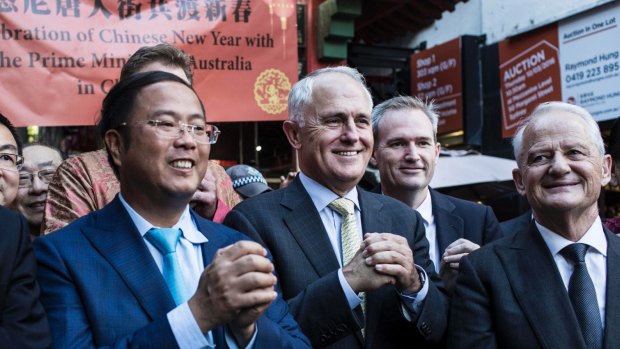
271	91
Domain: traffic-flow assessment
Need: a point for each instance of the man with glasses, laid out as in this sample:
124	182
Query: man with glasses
86	182
40	163
146	271
22	320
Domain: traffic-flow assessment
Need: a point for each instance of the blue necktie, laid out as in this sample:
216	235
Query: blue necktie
583	296
165	241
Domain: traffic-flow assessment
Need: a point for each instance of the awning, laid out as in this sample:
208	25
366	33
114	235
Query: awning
457	170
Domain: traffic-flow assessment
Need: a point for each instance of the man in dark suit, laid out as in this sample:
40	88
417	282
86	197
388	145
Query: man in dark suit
514	225
556	284
406	152
108	280
22	320
344	270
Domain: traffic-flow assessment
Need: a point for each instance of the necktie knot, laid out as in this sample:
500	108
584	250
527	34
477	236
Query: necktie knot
343	206
575	253
164	239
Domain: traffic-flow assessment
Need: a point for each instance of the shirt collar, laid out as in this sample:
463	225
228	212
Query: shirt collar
321	196
595	237
186	224
426	208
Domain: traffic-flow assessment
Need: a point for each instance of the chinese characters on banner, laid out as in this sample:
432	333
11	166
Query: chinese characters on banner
436	75
58	58
576	60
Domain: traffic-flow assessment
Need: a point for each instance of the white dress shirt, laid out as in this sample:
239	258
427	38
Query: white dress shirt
426	211
182	322
596	258
321	198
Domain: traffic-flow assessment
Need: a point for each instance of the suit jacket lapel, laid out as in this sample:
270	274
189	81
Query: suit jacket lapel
215	240
307	228
539	290
612	301
448	227
119	242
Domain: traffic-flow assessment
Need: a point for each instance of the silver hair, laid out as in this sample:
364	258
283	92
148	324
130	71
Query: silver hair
300	97
404	103
549	107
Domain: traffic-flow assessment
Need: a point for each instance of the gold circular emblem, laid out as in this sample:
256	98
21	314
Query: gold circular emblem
271	91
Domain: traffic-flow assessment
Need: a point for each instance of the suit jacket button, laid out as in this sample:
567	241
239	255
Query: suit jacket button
323	338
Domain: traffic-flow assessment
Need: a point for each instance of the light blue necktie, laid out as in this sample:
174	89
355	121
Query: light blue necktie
165	241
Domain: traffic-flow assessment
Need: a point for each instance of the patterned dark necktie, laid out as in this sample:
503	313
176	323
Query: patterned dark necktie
583	296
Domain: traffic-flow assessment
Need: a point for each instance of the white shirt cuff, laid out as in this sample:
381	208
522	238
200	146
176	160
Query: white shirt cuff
352	297
411	303
186	330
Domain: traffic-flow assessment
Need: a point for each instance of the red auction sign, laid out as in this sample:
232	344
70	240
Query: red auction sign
529	71
436	75
58	58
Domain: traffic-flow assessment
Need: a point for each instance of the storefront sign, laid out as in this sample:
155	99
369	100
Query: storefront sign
437	76
590	57
58	59
529	75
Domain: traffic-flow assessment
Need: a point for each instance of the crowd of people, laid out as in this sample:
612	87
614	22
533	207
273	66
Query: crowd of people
147	243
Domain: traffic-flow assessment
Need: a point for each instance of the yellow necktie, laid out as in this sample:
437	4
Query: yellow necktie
349	236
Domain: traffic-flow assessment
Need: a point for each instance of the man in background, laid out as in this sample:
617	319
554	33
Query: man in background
23	323
406	152
556	284
86	182
353	265
40	164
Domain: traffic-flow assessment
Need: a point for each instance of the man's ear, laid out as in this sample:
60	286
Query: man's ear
114	144
293	134
373	160
606	170
518	178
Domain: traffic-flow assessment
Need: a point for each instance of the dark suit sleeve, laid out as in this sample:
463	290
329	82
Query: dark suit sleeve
277	329
69	323
432	320
318	308
22	323
492	230
470	316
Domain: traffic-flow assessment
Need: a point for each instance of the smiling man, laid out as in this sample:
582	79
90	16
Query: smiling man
353	265
556	284
145	270
406	152
40	163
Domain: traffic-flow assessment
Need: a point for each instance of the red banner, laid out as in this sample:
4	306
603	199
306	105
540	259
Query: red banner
436	74
58	58
529	70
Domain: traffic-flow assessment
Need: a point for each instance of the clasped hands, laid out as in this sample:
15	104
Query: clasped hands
383	259
235	289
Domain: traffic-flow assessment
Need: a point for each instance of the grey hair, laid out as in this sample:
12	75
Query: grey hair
549	107
300	97
404	103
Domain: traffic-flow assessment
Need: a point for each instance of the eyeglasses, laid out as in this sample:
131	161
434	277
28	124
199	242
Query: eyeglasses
26	178
11	162
202	133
